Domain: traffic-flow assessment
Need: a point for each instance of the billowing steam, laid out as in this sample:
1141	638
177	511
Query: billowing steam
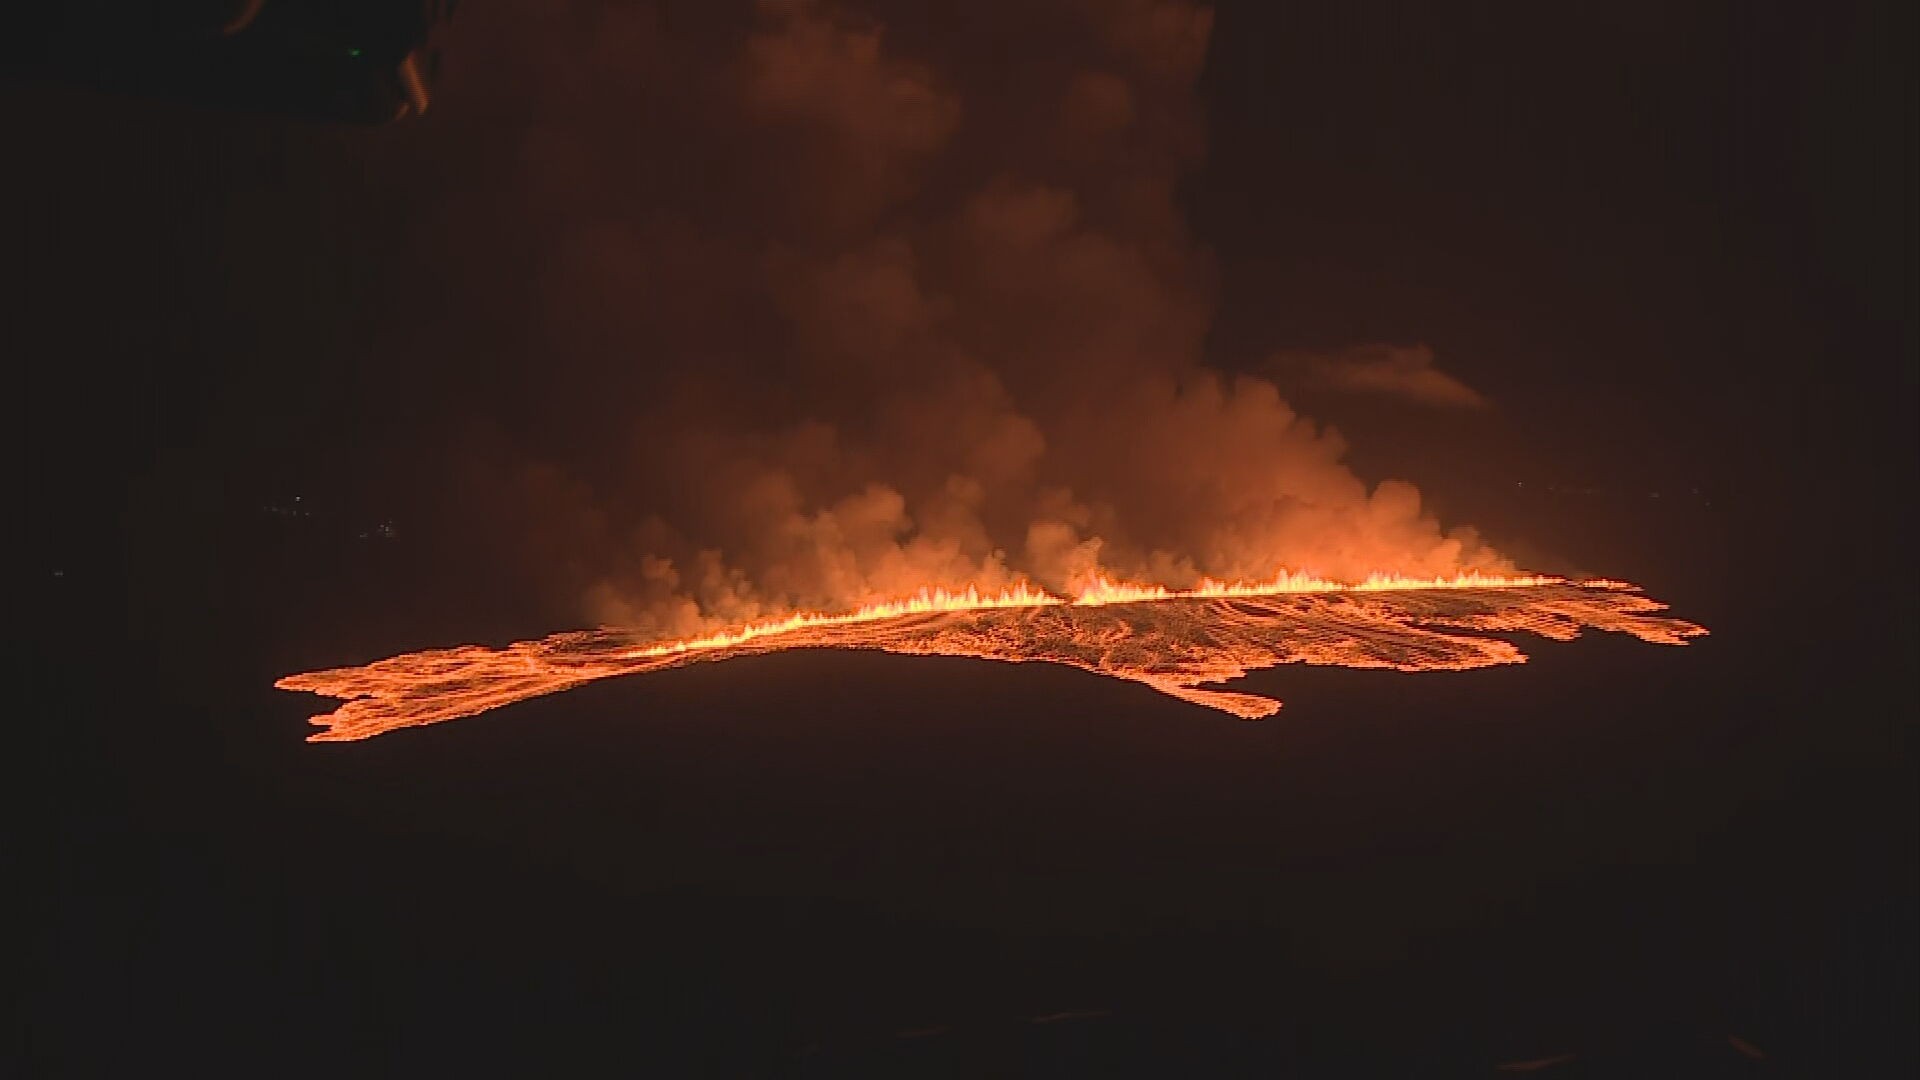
908	303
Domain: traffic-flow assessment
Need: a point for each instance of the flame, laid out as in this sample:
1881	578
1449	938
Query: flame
1174	640
1103	591
1099	590
924	602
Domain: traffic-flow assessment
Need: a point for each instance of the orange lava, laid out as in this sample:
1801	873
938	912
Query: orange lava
1176	641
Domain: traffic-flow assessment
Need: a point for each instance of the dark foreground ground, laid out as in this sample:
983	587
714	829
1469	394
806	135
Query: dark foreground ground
828	864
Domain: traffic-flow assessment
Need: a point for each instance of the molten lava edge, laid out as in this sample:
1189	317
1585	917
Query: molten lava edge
1174	641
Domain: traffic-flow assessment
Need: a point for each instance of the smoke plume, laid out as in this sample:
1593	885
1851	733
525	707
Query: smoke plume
830	302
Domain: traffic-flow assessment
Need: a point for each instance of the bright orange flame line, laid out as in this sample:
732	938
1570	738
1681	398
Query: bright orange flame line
1101	591
921	603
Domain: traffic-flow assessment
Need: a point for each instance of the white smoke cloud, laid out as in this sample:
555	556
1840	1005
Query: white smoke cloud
914	306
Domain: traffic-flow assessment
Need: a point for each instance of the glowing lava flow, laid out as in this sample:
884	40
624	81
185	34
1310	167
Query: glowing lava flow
1176	641
1102	591
924	602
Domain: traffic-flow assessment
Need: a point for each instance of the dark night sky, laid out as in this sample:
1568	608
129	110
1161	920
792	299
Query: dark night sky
1673	243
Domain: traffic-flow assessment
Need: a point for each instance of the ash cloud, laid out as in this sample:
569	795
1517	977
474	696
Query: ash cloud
832	301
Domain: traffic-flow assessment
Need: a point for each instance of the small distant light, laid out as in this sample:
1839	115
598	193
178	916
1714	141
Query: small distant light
353	52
